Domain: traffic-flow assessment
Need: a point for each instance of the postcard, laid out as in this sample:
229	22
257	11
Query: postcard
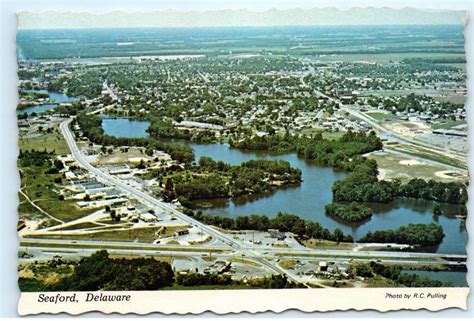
229	160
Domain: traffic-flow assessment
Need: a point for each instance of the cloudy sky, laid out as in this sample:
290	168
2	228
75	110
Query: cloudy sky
180	13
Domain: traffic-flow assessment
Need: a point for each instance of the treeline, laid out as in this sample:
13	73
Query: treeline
439	60
91	126
101	273
335	153
276	281
73	110
362	185
409	280
193	279
412	234
34	158
353	212
283	222
162	128
216	179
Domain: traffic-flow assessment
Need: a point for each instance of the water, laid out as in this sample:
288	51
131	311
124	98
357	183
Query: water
458	279
55	97
124	127
308	199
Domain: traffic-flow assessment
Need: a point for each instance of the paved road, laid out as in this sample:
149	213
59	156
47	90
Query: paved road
227	243
67	248
110	180
395	136
247	251
402	139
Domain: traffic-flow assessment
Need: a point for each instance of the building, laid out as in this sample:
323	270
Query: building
323	266
181	232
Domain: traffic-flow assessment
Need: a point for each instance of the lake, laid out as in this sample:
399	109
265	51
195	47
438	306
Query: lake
124	127
56	97
308	199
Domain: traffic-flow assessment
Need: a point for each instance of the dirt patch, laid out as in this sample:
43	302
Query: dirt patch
448	174
410	162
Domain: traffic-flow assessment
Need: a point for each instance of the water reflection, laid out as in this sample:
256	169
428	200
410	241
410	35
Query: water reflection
309	198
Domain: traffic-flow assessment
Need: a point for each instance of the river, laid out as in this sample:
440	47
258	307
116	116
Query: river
309	198
56	97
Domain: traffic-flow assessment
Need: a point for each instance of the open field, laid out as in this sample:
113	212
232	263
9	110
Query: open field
451	99
422	153
52	142
393	166
26	209
448	124
141	234
382	116
322	244
386	57
40	187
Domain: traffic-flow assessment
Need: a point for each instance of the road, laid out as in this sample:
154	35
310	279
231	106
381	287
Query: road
227	246
395	136
112	181
84	247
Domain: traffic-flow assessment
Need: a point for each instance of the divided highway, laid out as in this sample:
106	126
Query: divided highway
225	245
110	180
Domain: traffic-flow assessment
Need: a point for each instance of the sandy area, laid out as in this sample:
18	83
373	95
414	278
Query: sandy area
449	174
382	174
409	162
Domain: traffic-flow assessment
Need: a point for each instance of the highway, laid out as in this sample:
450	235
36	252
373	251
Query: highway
112	181
395	136
226	245
83	248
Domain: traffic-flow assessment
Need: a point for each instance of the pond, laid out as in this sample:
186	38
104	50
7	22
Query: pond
56	97
308	199
124	127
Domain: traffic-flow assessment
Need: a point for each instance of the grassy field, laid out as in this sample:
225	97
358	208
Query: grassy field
40	188
452	99
321	244
288	264
141	234
332	135
244	261
390	166
382	116
52	142
26	209
448	124
379	282
423	153
85	225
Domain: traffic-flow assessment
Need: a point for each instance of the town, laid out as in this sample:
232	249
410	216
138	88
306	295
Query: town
259	169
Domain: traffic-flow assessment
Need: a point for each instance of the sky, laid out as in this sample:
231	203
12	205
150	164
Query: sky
264	13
